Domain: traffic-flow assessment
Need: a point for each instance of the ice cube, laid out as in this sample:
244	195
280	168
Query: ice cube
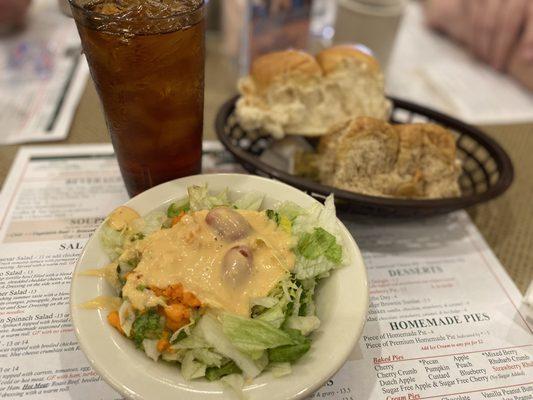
144	8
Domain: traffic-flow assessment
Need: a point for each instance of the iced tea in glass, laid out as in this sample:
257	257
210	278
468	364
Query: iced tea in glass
147	61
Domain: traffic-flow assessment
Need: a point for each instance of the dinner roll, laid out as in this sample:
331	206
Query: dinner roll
292	92
284	67
358	79
370	156
342	56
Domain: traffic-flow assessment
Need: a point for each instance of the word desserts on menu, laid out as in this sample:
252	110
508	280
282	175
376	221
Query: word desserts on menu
224	289
338	96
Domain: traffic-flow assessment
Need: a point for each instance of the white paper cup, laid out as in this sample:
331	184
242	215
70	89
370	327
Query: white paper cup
64	7
373	23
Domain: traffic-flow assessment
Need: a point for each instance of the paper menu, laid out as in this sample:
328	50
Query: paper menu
431	70
51	201
39	353
65	192
444	318
43	76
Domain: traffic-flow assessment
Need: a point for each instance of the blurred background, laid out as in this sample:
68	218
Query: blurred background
472	59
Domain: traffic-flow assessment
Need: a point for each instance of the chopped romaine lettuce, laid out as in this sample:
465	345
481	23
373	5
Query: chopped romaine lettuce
178	207
307	306
290	210
249	201
235	382
126	316
274	315
149	223
153	222
305	268
253	335
191	369
150	348
334	253
129	259
305	325
289	353
208	357
318	243
123	269
317	252
148	325
180	334
112	241
284	300
319	246
297	294
285	224
280	369
211	330
266	302
296	336
292	352
262	361
200	199
191	342
273	215
215	373
281	220
318	216
174	356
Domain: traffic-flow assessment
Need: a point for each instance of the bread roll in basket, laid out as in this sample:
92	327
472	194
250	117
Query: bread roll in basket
294	93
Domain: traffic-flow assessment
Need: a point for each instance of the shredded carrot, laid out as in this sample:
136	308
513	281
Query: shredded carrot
172	292
177	312
191	300
179	305
163	343
175	291
177	218
175	325
114	321
177	316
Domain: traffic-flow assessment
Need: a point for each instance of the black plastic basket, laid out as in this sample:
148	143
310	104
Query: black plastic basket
487	169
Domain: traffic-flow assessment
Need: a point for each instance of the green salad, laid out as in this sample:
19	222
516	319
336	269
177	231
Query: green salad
201	311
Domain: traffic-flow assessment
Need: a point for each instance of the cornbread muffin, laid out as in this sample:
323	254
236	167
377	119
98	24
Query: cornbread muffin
370	156
292	92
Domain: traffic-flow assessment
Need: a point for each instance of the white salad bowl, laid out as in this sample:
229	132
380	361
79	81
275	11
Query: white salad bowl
341	299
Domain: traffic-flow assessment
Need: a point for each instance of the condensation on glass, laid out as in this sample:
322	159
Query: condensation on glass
147	62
